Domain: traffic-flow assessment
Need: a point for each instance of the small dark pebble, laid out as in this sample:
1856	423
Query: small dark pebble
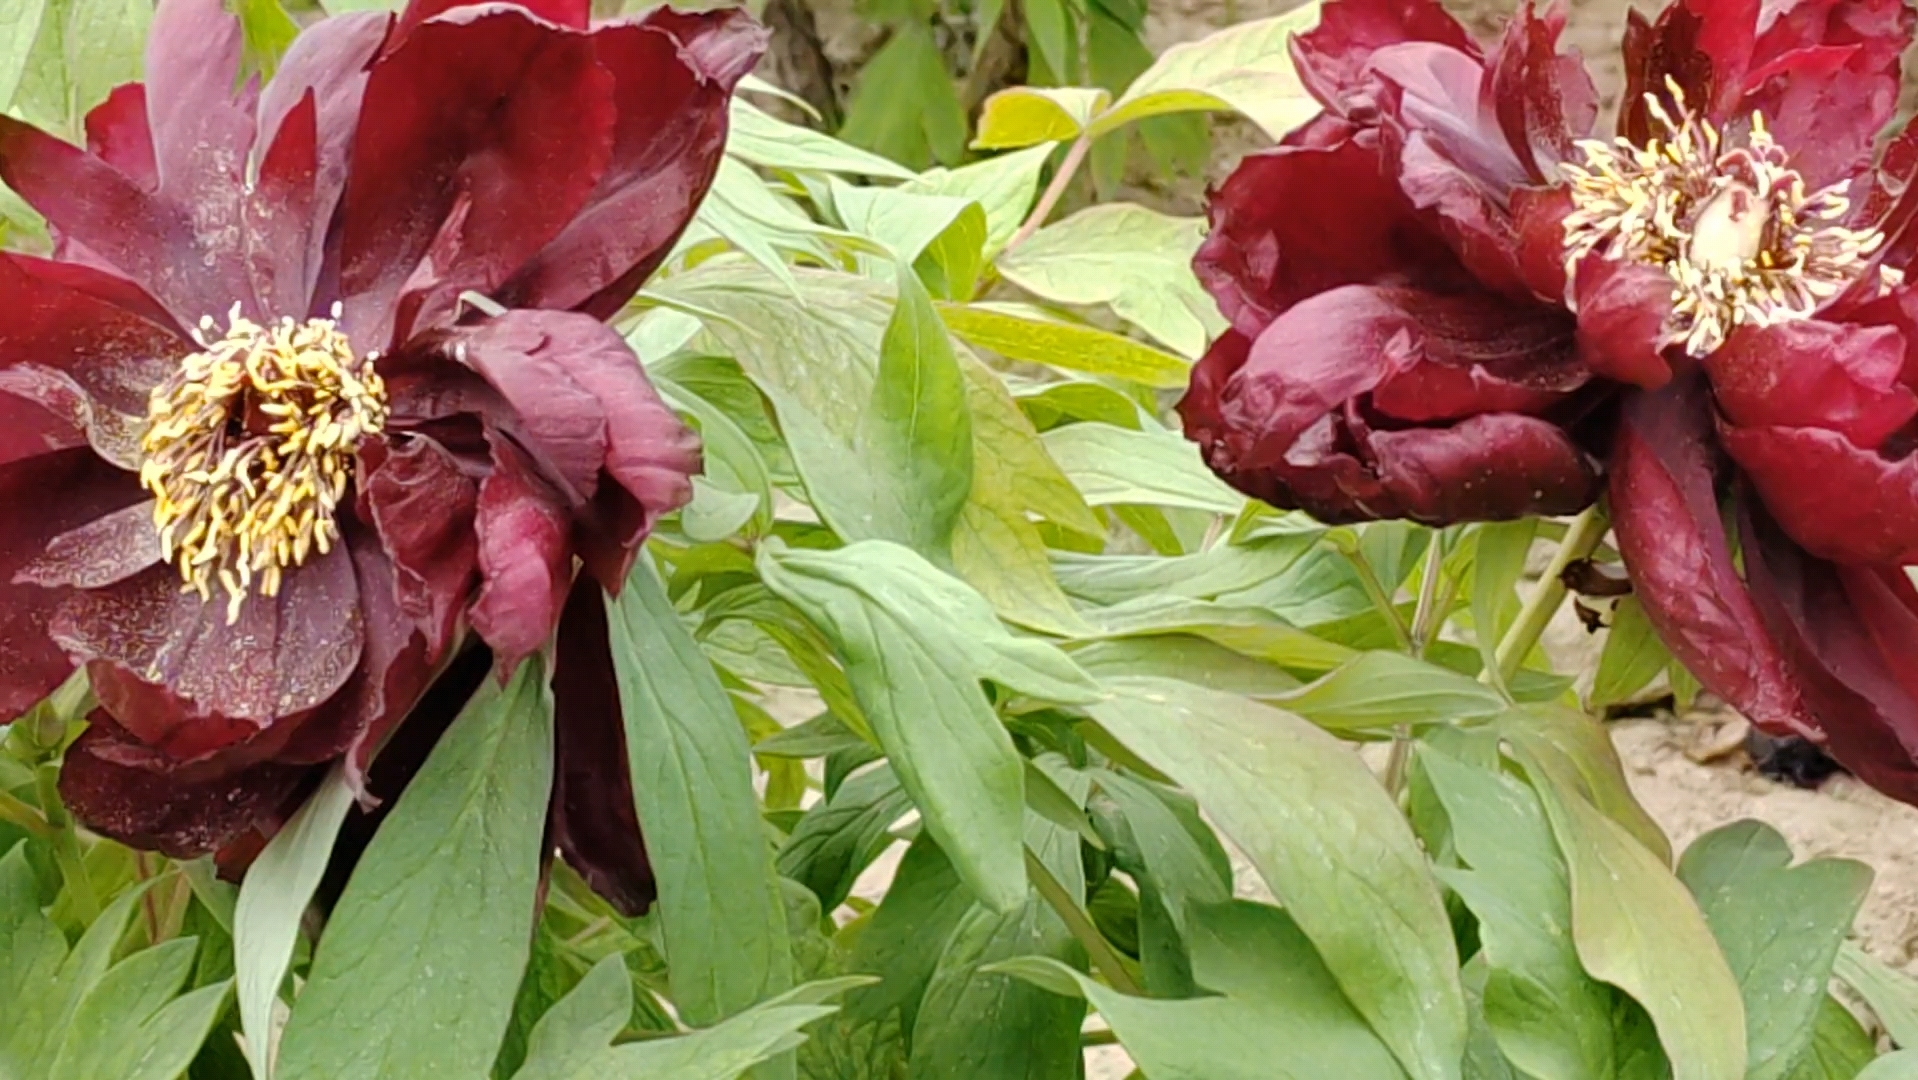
1790	760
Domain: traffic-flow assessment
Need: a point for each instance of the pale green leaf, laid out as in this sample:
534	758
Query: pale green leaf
1377	691
580	1026
1064	345
1154	467
1004	187
1892	994
40	1011
1839	1049
1252	631
769	142
132	1026
1576	754
1020	116
918	428
1902	1065
19	29
1632	658
1247	68
1497	566
105	43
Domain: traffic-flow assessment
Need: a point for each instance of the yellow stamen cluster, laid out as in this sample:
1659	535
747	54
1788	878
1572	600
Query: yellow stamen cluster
1742	240
249	450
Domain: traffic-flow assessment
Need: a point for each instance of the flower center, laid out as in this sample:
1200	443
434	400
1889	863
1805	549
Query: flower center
249	448
1742	240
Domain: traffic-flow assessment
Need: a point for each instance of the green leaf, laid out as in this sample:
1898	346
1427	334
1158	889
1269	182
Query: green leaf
1134	260
1892	994
1063	345
899	945
915	643
268	32
1206	575
1188	659
1251	631
918	428
1576	756
1550	1018
1636	928
1327	839
582	1025
416	973
724	924
19	29
132	1026
1498	565
1779	926
1839	1049
764	140
1280	1014
1023	115
273	899
105	43
1003	186
836	840
1247	68
1178	865
1378	691
1632	658
1112	465
949	229
904	105
761	224
1902	1065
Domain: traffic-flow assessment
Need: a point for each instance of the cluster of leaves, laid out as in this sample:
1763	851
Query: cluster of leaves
951	590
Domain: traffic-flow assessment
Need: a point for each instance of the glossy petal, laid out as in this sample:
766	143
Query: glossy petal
1622	308
422	504
524	559
1666	520
673	78
480	137
594	820
1494	467
1838	501
1333	57
1544	98
1814	374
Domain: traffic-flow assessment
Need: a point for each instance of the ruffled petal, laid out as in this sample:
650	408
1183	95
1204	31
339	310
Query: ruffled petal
1544	99
1705	46
1666	519
201	122
157	812
595	821
1826	76
673	77
1297	220
422	504
117	133
1333	57
570	13
525	558
1494	467
1838	501
481	135
1814	374
1849	632
1622	310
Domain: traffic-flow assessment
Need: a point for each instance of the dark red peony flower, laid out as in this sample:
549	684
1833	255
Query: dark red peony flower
315	383
1727	273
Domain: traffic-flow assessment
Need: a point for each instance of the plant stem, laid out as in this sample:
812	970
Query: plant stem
1426	620
17	811
1100	951
1049	199
1581	539
1105	1037
66	844
1369	580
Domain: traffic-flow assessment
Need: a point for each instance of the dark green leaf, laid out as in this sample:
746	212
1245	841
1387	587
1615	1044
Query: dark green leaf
836	840
1839	1048
904	105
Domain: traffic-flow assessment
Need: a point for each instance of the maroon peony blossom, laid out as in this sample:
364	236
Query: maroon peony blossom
316	383
1441	290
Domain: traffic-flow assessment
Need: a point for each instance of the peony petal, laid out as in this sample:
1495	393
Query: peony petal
594	819
109	548
1294	221
284	656
1622	310
1703	45
673	78
1837	501
1439	92
1666	520
1814	374
422	505
571	13
282	229
94	328
1826	77
1495	467
163	813
117	133
202	126
1538	228
1333	57
1849	632
45	496
1544	99
480	137
46	410
525	558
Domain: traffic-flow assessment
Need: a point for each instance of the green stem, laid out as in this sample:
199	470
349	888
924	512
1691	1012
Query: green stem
17	811
66	844
1581	539
1370	582
1100	951
1427	617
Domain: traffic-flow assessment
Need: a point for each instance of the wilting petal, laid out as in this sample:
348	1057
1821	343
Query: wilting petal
284	656
1703	45
1297	220
594	819
1332	58
1622	308
480	137
524	558
117	133
46	496
1545	99
673	75
1838	501
1848	632
1814	374
1665	516
422	505
157	812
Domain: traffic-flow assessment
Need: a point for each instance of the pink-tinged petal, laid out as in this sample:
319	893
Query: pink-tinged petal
1538	225
47	496
117	133
37	414
105	334
284	656
534	395
1838	501
1839	377
1703	45
201	117
1666	519
1333	57
1495	467
1828	105
1462	208
1622	310
284	234
157	812
1848	632
525	559
1292	222
1545	99
673	77
1439	92
576	14
107	549
422	505
595	822
480	137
